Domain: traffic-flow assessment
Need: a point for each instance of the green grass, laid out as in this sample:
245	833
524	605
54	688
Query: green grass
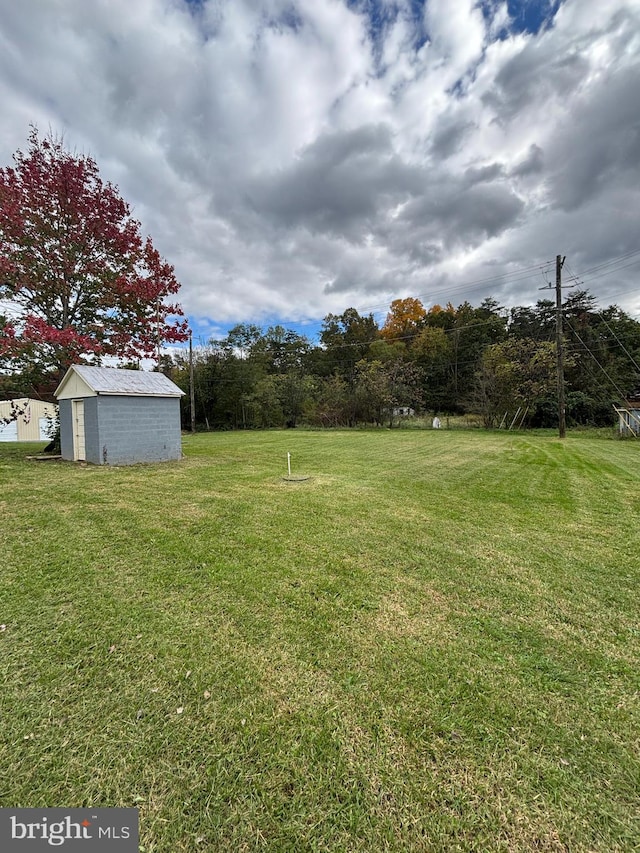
430	645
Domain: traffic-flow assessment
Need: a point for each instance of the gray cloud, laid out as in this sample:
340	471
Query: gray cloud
289	165
601	145
483	174
449	137
466	216
533	76
339	184
533	163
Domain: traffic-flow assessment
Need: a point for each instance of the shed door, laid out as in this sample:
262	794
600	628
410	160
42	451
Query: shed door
77	411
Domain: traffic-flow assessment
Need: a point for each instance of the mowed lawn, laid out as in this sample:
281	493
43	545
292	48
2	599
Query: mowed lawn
431	644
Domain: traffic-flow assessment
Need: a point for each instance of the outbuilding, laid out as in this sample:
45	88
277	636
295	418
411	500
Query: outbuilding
110	416
629	415
25	419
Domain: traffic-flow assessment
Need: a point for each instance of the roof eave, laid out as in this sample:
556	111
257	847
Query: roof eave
140	394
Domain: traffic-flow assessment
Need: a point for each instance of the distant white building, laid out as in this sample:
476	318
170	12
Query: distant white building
26	420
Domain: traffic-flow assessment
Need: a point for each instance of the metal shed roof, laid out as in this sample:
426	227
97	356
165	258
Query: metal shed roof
114	381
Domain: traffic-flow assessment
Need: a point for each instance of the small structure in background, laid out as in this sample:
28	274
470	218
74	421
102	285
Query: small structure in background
27	420
629	415
110	416
403	412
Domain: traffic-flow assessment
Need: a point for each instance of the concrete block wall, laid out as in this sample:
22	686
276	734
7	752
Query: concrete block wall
136	429
91	430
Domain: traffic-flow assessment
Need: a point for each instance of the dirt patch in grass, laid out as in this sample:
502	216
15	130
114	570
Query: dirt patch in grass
415	611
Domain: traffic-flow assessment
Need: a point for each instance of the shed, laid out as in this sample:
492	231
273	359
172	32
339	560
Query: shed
629	415
25	419
118	417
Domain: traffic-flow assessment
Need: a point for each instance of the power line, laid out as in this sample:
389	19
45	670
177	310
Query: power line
521	275
611	380
611	262
633	361
595	272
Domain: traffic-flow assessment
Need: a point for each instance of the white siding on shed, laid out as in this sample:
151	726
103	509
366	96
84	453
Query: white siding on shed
74	386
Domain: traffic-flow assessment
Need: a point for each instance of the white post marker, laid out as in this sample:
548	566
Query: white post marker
289	463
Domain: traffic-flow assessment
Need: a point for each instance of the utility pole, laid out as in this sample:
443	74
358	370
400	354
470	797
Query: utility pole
562	422
192	391
157	334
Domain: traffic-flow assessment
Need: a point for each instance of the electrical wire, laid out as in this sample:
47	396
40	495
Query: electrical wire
601	270
587	349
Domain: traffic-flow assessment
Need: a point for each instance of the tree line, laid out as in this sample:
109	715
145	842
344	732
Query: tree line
445	360
84	283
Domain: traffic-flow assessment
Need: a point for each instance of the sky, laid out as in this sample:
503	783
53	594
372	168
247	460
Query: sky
293	158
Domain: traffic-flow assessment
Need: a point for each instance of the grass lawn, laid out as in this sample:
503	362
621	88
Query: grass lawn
432	644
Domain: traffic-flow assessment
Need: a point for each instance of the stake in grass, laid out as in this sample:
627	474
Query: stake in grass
289	477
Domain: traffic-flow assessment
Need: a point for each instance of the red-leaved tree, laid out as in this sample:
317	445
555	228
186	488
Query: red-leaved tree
80	279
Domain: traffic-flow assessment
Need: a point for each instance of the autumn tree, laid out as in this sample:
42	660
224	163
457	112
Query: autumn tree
441	318
82	281
405	318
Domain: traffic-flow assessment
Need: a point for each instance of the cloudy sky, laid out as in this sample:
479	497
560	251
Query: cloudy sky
297	157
